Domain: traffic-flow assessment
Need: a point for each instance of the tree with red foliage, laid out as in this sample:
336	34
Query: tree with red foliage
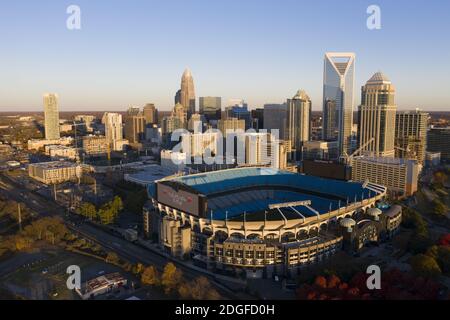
444	240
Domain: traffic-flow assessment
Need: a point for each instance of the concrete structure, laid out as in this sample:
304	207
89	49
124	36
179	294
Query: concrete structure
201	144
411	134
320	150
36	144
187	94
150	114
298	121
376	117
338	99
275	118
400	176
54	172
263	149
231	124
432	159
61	152
51	114
95	145
101	285
258	220
211	107
439	141
87	120
114	130
135	127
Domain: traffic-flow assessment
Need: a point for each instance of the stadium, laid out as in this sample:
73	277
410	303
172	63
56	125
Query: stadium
265	221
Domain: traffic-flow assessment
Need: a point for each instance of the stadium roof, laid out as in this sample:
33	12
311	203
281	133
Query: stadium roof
234	191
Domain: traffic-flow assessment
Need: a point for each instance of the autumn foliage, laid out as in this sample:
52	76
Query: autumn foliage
395	285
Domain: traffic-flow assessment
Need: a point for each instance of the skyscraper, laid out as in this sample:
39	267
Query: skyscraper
134	126
150	114
51	114
298	120
275	117
211	107
338	99
187	94
411	134
113	130
377	117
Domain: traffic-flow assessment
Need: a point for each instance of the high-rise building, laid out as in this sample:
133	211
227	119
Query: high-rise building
195	123
400	176
87	120
298	120
263	149
439	141
258	118
187	94
113	130
239	110
338	99
377	117
411	134
51	114
231	124
275	117
134	126
211	107
150	114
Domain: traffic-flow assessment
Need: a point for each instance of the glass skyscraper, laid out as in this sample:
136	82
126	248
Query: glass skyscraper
338	99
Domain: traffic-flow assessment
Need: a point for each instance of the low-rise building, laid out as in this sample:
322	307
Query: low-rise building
36	144
95	145
61	152
101	285
54	172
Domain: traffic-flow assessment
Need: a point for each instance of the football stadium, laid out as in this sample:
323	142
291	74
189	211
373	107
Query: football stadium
265	221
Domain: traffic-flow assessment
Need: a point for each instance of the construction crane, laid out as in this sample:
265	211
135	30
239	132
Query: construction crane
348	158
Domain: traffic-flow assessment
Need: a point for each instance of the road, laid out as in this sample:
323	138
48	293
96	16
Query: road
125	249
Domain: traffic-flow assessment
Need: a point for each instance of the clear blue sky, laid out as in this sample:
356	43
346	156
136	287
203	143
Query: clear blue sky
133	52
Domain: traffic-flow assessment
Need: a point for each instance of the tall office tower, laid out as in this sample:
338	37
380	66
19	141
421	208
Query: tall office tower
239	109
275	117
263	149
299	120
150	114
113	129
211	107
377	117
179	112
411	134
338	99
439	141
187	94
258	118
135	127
51	114
177	98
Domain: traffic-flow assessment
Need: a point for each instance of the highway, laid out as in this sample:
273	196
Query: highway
125	249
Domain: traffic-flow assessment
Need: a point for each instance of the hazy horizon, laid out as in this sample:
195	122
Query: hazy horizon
133	53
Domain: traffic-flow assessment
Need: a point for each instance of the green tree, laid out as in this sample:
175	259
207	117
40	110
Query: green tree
88	210
171	278
150	276
425	266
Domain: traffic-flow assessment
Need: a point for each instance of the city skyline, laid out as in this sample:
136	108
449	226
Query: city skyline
91	70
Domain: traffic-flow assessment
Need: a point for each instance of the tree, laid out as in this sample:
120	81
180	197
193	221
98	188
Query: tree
443	258
444	240
201	289
425	266
150	276
88	210
171	278
439	208
112	258
138	268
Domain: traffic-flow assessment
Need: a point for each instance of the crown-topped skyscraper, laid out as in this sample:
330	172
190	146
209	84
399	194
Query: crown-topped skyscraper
188	92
